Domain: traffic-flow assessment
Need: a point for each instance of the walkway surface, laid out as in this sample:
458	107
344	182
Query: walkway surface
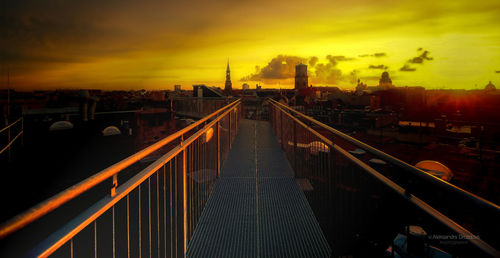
256	208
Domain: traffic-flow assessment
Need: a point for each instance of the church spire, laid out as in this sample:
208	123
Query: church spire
228	85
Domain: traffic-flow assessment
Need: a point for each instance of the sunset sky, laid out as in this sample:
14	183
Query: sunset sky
154	44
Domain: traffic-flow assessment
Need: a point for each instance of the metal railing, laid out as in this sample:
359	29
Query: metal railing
151	213
10	139
367	204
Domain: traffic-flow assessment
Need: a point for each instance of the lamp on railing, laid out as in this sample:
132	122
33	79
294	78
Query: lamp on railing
209	134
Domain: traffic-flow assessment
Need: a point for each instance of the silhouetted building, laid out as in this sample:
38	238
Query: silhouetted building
385	81
490	87
203	91
228	87
301	80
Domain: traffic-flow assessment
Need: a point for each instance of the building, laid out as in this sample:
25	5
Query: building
385	81
245	86
301	80
203	91
490	87
177	88
228	87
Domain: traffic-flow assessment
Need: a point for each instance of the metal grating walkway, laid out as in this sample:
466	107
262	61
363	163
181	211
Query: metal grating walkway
256	208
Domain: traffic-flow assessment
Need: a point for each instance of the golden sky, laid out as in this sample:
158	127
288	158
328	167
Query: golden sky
154	44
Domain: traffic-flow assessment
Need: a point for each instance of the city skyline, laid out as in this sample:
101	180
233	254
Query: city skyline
153	45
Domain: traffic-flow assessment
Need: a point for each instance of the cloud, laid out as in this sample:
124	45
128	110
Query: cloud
283	67
378	55
280	67
327	73
407	68
497	71
377	67
336	59
420	59
313	60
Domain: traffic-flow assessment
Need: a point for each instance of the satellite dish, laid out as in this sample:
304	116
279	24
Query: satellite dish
61	125
111	130
436	169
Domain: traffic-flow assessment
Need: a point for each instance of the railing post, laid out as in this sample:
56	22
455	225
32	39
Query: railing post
184	199
281	129
22	130
294	147
8	142
218	148
229	142
331	166
114	185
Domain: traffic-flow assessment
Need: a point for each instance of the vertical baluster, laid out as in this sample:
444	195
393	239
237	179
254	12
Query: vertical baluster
191	184
176	205
171	210
113	217
8	141
95	238
71	247
217	125
128	225
158	212
294	148
149	214
22	130
140	222
184	198
164	211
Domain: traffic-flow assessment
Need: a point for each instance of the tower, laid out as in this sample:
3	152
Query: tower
385	81
228	85
301	76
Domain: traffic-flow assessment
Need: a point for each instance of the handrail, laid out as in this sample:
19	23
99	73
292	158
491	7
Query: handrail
70	193
60	237
11	124
397	188
434	180
11	142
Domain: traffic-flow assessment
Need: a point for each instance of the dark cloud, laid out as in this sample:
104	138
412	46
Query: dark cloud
497	71
377	67
336	59
380	54
421	58
313	60
407	68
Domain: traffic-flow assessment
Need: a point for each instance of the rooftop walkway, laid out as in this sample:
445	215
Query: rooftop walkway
257	208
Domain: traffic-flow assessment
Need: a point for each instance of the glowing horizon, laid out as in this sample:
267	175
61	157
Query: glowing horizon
124	45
